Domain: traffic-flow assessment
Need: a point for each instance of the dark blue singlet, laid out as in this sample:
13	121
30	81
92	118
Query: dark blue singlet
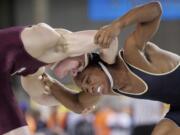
160	87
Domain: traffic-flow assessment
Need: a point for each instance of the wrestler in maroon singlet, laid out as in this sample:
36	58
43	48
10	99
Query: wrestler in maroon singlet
13	60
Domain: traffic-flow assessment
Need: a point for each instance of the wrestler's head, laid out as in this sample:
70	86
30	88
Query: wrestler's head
93	77
86	72
71	65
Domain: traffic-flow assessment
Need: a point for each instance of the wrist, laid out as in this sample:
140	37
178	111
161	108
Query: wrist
118	24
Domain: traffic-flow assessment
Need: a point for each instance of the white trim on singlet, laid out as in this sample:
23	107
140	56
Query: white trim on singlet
107	73
141	93
19	71
155	74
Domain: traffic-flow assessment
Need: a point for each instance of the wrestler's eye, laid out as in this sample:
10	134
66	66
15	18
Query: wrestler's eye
84	79
88	81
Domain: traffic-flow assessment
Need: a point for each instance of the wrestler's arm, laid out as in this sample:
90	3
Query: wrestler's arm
166	127
35	89
147	18
106	54
44	42
76	102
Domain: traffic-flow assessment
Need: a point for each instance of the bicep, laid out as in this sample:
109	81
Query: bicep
137	41
144	32
136	56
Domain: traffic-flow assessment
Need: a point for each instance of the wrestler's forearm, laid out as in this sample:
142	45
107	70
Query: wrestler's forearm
76	102
141	14
67	98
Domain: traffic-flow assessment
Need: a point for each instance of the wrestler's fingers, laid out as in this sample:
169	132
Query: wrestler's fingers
46	80
100	40
109	41
46	84
97	37
105	43
41	78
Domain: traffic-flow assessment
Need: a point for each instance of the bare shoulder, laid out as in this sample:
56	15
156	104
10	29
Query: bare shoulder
152	50
44	43
151	58
137	57
166	127
152	46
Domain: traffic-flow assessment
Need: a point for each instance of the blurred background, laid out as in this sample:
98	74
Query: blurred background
114	115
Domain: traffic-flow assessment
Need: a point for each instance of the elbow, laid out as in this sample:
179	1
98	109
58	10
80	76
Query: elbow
42	24
157	8
79	109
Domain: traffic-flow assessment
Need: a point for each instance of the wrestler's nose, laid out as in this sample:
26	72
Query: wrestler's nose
85	88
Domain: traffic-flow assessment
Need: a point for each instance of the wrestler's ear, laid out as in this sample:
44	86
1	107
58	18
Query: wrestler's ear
70	65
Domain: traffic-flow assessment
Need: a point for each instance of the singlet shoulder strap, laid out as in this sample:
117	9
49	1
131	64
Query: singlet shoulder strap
107	73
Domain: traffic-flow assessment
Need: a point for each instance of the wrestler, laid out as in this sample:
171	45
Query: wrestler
25	51
142	70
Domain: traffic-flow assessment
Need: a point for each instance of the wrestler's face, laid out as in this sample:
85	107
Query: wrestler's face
69	66
91	78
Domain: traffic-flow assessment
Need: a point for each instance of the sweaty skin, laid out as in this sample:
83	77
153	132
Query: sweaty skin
137	51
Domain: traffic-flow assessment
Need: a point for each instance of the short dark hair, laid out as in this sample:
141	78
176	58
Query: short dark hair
94	59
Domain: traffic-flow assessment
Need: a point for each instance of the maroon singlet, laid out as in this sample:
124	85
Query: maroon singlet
13	60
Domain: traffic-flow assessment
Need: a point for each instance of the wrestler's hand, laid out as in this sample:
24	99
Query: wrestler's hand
106	35
48	83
